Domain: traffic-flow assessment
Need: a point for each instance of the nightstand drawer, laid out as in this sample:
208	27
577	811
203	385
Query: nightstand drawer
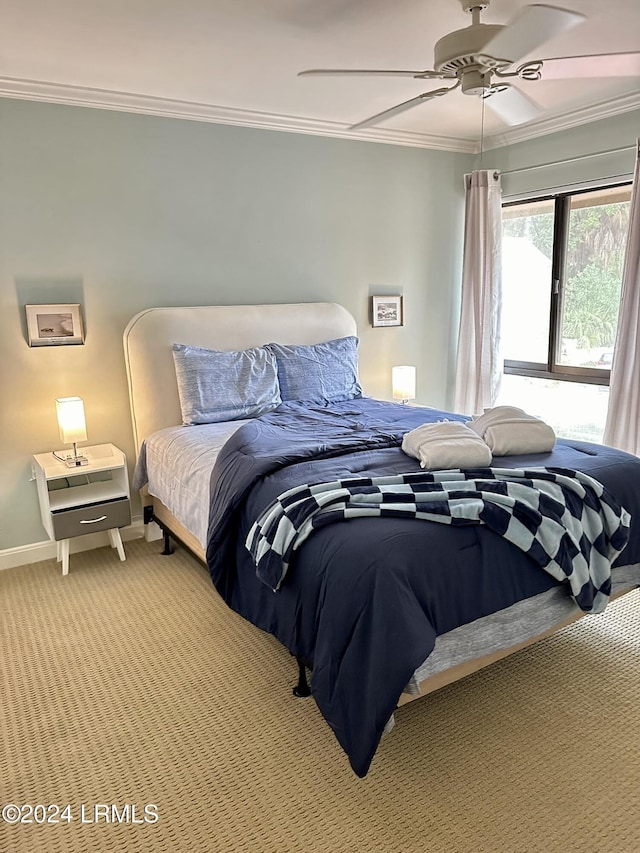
91	519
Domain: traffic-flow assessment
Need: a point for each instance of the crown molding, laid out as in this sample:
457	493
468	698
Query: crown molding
564	121
106	99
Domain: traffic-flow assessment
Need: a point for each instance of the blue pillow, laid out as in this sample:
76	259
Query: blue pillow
219	386
326	372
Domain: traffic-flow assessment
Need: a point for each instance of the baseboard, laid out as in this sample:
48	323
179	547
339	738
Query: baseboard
34	553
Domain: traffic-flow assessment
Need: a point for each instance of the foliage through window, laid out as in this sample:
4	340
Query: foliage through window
562	271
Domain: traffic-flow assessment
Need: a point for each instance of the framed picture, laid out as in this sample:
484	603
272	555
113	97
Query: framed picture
54	325
386	311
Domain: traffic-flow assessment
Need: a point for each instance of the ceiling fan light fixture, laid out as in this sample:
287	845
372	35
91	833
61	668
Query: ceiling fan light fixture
475	82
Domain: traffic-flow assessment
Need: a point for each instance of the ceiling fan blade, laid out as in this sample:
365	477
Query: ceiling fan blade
513	106
533	26
598	65
400	108
336	72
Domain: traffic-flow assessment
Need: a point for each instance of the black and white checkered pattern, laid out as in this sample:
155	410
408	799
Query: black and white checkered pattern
564	520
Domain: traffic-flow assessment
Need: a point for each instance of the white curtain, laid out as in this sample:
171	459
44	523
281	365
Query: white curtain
623	416
479	365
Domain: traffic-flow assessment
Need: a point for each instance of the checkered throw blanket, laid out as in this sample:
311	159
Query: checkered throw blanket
564	520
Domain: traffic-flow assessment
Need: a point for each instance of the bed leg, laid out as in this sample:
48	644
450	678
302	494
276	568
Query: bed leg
302	687
167	543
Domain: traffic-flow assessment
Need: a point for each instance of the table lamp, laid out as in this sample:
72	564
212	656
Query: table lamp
73	427
403	382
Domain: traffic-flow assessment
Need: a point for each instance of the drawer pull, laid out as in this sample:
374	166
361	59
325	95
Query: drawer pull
92	520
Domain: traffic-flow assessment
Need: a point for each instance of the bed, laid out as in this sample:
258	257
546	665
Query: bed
381	610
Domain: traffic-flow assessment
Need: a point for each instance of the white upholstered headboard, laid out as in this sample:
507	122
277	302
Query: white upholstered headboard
153	391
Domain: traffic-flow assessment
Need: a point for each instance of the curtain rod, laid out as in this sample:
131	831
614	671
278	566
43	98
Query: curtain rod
572	159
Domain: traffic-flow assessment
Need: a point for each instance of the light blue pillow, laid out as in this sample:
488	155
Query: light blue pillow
326	372
219	386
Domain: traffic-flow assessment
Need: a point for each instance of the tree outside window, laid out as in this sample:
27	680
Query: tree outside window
562	271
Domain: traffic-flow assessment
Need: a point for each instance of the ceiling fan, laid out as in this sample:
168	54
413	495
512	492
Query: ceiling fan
481	59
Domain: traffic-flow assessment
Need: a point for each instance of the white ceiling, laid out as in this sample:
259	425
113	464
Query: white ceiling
235	62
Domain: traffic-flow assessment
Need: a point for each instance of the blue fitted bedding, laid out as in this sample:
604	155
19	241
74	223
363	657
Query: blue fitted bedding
365	599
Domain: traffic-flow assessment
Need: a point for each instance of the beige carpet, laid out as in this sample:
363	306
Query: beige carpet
132	684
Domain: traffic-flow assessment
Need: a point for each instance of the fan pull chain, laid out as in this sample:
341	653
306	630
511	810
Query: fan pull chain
482	132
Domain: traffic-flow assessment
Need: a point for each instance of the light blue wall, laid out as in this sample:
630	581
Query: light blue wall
582	142
121	212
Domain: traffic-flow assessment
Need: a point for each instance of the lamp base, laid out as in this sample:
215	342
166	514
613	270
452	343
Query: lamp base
76	461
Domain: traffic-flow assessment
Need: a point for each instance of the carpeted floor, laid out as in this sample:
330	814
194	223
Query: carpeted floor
131	684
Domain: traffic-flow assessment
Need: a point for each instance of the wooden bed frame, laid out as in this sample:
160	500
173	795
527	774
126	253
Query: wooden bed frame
155	403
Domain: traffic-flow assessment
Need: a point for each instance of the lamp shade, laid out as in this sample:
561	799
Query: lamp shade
403	381
73	427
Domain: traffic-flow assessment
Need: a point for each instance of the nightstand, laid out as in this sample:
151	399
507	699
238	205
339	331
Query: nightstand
87	499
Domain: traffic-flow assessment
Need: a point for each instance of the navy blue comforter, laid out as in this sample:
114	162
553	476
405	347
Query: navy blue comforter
364	600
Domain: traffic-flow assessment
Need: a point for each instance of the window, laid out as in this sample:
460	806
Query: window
562	272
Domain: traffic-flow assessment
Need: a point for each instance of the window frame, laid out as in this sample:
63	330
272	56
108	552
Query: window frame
552	369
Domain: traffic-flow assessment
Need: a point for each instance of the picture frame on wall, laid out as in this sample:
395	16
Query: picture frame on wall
54	325
387	311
